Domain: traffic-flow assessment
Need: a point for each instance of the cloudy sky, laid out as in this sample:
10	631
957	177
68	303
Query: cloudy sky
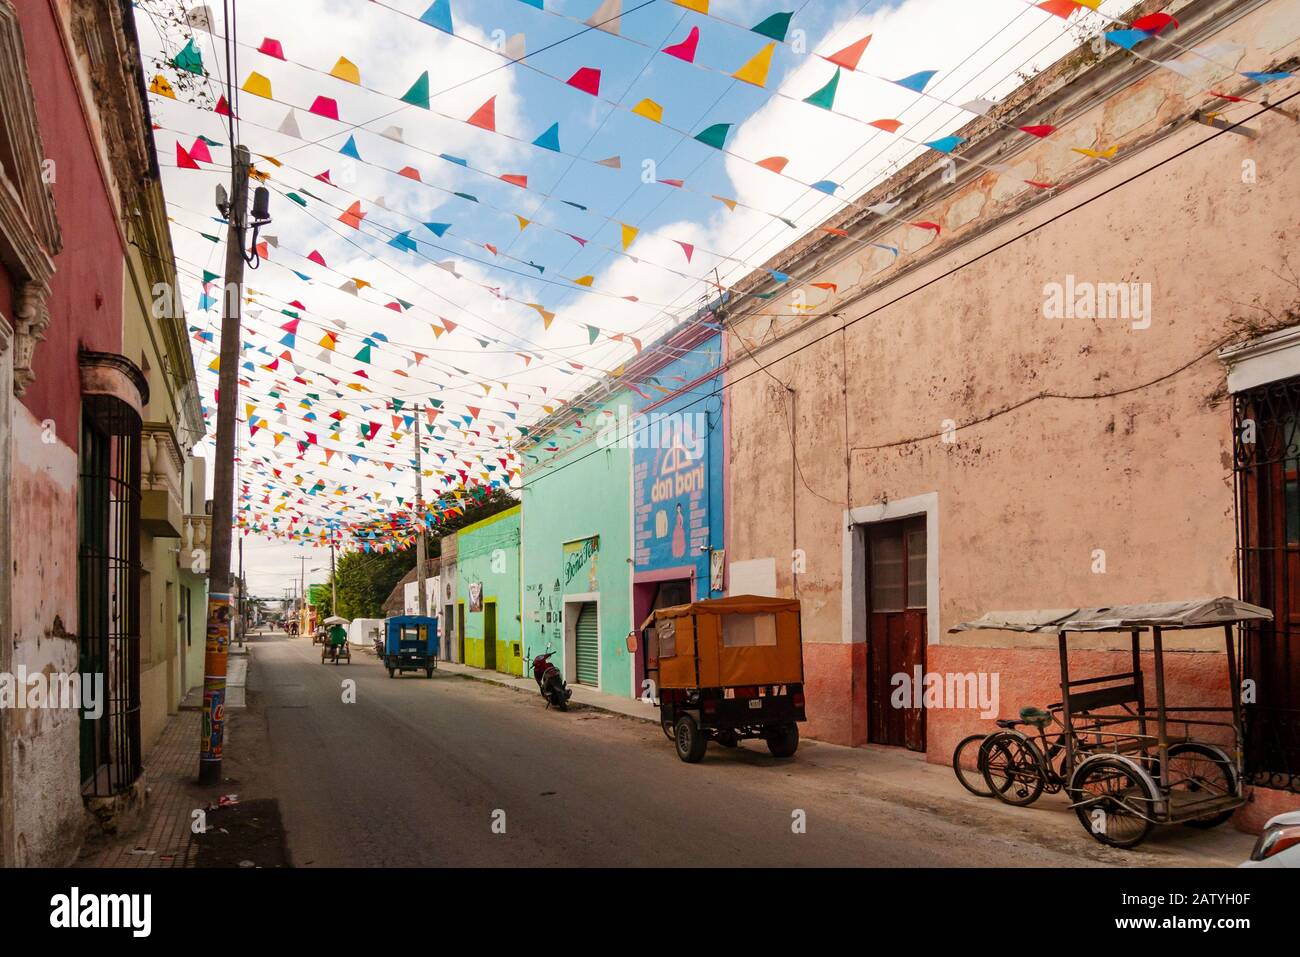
523	290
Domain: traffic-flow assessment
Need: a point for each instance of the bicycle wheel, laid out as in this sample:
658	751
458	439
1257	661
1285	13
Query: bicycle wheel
1205	771
965	764
1013	770
1111	799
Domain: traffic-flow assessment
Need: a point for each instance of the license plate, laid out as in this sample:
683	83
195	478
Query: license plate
755	704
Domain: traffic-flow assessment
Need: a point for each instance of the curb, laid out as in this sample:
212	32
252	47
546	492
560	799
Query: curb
582	704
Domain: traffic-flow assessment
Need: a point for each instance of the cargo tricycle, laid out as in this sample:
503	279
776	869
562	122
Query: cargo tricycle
728	669
1125	763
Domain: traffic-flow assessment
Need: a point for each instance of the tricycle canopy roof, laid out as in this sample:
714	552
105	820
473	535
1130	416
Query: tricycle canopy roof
335	620
1172	615
732	605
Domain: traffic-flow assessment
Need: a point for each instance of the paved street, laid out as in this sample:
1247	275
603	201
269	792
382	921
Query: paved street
412	773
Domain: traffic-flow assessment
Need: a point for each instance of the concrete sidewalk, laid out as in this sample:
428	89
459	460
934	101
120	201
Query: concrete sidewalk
163	836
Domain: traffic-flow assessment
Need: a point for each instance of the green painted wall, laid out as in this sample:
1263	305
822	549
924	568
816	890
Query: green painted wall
488	552
580	492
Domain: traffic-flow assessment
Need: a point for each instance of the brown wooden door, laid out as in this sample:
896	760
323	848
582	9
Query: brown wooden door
896	630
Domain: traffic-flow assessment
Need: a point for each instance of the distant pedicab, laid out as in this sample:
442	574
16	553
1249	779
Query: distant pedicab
335	646
1096	744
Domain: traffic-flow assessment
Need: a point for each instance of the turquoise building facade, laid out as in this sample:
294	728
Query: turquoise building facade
576	545
487	593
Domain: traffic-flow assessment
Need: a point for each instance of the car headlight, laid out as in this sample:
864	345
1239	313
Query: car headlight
1274	840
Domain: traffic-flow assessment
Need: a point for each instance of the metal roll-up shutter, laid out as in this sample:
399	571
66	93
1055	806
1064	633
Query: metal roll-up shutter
586	645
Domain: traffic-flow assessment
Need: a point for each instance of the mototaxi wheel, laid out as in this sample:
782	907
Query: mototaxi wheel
783	740
690	740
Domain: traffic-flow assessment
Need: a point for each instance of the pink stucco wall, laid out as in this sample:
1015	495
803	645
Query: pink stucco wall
1131	451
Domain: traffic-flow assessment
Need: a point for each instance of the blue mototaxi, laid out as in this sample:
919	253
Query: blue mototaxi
410	644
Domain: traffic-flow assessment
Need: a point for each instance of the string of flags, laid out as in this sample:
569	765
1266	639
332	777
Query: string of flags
299	488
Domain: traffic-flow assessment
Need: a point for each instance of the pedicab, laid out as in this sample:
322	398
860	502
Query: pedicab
334	644
410	644
1125	765
728	669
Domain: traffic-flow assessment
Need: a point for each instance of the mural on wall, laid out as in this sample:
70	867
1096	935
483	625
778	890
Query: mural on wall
475	596
546	613
677	471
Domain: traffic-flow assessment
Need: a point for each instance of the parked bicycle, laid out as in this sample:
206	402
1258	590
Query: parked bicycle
1009	765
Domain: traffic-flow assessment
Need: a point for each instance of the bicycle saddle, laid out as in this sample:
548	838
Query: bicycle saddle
1035	716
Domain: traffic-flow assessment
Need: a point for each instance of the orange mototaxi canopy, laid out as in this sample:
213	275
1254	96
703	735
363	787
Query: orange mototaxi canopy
733	605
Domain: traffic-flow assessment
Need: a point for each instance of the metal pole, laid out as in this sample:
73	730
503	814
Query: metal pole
1162	744
334	585
1234	688
1063	650
302	595
243	599
419	517
223	490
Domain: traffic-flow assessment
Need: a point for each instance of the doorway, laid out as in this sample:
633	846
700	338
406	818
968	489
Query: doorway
896	629
1267	467
650	596
460	632
586	641
490	635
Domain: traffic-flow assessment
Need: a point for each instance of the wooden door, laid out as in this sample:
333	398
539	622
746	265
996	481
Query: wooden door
489	634
896	630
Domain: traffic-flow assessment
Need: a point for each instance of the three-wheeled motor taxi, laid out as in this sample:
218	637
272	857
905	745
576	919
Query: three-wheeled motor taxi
728	669
410	644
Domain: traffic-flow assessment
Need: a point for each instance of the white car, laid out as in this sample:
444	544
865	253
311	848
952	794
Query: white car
1278	844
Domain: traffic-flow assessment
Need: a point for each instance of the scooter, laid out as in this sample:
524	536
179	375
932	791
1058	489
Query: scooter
550	682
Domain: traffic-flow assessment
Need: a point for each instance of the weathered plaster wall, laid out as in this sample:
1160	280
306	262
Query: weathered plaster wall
1025	497
44	745
159	636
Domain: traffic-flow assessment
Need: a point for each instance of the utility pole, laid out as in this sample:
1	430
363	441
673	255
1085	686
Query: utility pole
223	486
419	517
302	593
243	599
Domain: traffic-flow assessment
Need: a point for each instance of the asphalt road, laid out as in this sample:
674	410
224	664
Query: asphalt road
416	772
